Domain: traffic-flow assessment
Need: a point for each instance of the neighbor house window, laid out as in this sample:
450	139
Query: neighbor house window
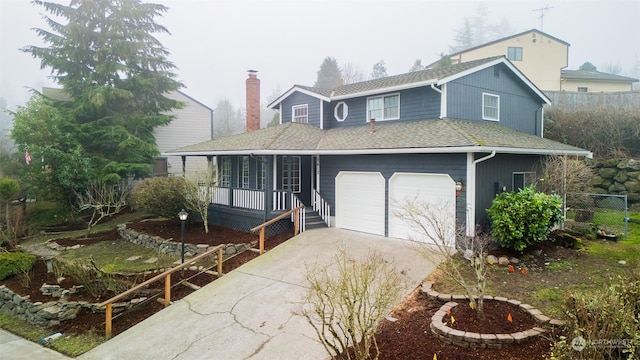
225	171
582	89
261	174
243	172
295	173
514	53
300	113
341	111
384	107
490	107
523	179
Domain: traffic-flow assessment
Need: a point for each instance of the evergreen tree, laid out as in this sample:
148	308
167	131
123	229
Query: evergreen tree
463	38
379	70
115	74
417	66
329	75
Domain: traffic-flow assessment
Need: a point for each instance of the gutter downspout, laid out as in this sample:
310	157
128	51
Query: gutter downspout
443	101
471	190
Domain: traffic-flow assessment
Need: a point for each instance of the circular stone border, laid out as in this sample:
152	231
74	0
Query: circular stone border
471	339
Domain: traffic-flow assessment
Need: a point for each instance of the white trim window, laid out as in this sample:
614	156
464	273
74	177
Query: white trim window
385	107
295	173
490	107
225	171
341	111
243	173
521	180
261	174
300	113
514	53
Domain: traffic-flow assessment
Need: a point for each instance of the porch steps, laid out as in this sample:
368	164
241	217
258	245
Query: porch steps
314	221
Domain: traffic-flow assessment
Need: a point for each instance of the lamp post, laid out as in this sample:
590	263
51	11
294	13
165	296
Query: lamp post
182	215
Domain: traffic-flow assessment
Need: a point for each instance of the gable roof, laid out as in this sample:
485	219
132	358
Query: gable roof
594	75
505	39
420	136
436	76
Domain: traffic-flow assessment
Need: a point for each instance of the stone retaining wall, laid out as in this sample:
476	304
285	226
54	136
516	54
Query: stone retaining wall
618	177
175	248
449	335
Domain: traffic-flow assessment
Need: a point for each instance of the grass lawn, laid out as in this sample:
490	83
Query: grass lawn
560	271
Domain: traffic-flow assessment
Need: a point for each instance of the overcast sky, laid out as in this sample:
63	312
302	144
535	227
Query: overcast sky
213	43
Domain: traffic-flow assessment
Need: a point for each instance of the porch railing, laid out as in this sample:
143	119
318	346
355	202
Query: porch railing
249	199
297	204
322	207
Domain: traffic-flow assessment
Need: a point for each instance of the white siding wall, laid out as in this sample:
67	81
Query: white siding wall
191	125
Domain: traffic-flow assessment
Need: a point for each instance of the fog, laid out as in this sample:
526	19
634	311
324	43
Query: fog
213	43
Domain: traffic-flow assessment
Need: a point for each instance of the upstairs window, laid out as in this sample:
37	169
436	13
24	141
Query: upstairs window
490	107
225	172
384	107
300	113
582	89
514	53
341	111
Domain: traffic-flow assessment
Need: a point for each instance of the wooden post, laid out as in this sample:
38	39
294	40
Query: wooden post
219	262
167	290
296	221
108	319
262	240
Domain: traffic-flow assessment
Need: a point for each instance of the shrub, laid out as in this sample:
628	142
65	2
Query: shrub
12	263
345	305
162	196
607	320
519	219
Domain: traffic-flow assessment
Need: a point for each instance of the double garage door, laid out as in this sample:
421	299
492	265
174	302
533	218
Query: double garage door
361	199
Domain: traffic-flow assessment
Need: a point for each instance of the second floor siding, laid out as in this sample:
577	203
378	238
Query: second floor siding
469	97
415	104
299	100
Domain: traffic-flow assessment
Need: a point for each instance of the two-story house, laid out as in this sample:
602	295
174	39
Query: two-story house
454	136
540	56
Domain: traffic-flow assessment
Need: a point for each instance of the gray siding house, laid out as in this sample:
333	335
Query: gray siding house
454	136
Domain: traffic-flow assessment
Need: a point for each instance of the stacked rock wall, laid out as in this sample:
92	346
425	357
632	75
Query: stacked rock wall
618	177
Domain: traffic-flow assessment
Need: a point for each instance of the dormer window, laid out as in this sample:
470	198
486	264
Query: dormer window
384	107
490	107
300	113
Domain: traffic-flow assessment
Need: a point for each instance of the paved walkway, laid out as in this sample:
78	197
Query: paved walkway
13	347
250	312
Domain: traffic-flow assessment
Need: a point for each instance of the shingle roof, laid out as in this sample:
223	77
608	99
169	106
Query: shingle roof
416	77
430	135
594	76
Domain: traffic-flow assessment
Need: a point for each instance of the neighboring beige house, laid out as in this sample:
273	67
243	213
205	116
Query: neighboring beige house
540	56
594	81
192	124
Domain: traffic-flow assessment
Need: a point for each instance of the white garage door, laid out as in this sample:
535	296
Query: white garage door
436	192
360	199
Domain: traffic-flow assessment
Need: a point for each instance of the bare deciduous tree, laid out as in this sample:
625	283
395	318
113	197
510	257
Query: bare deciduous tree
561	175
198	194
103	199
441	239
345	304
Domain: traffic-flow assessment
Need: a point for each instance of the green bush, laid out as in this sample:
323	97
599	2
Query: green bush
12	263
519	219
608	320
162	196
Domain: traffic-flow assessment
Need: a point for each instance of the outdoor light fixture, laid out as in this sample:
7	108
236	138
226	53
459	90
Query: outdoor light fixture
459	185
182	215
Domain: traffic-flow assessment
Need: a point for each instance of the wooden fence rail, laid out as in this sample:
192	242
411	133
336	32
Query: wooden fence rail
296	225
167	285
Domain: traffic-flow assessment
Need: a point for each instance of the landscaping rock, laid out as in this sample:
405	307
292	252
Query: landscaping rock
491	259
503	260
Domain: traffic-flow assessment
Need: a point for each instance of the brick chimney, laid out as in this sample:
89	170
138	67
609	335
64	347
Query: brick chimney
253	101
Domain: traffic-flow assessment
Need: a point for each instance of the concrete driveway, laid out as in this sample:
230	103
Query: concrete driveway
249	313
